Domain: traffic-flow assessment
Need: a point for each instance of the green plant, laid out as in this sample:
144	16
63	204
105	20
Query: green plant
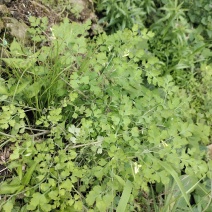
45	70
177	42
183	53
173	200
200	15
109	123
119	15
201	89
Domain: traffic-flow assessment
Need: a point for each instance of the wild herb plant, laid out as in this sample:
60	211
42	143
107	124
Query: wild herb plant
178	42
109	124
200	15
41	75
119	14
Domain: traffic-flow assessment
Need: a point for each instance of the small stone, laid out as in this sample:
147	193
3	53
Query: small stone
17	29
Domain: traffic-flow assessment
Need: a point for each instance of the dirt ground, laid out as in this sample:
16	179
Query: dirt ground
14	14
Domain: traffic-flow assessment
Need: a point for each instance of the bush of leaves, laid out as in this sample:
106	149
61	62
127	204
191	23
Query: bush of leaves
91	123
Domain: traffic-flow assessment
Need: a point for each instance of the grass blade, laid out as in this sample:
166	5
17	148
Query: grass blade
174	174
124	197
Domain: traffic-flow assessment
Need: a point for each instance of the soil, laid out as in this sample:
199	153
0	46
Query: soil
14	14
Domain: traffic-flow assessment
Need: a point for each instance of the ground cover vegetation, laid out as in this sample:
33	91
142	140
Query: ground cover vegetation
117	121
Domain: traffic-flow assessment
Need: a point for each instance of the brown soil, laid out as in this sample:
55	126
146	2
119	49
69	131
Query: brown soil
14	14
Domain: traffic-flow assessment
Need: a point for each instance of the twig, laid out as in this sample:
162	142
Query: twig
40	5
41	133
3	169
33	129
82	145
44	132
7	135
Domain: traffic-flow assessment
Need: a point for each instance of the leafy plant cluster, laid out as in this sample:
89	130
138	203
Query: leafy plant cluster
109	123
200	15
116	15
182	34
182	41
123	14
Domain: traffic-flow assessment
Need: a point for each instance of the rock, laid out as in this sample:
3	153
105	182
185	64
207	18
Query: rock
17	29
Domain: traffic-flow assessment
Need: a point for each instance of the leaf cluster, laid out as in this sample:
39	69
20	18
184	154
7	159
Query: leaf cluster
92	123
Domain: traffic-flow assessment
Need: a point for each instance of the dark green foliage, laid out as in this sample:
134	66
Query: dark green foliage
111	117
200	15
118	15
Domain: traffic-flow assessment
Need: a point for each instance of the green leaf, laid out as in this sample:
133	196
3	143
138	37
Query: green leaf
101	205
19	63
78	206
8	206
19	172
28	175
67	184
15	155
16	89
74	130
54	195
73	96
37	199
84	80
91	197
174	174
115	120
125	197
120	180
16	49
135	132
3	89
33	89
46	207
9	189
